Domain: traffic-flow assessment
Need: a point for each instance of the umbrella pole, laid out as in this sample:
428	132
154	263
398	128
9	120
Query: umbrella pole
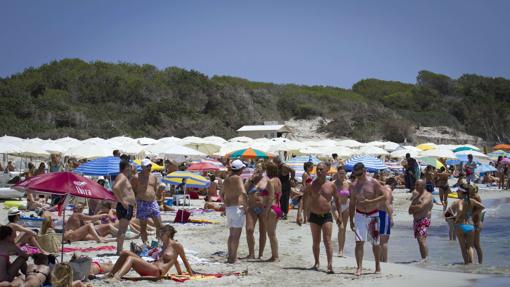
63	230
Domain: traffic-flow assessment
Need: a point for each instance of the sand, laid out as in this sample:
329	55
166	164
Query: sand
208	243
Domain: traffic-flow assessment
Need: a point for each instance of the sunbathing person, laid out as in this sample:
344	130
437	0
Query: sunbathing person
62	276
100	268
9	271
38	272
25	236
167	259
76	229
160	198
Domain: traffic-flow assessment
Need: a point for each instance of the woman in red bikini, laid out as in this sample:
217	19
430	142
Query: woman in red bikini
275	212
167	259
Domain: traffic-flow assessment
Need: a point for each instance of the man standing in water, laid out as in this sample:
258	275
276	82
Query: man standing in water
235	199
285	174
145	185
421	209
366	195
321	192
126	201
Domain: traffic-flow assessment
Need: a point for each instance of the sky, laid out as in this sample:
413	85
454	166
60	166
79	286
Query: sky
335	43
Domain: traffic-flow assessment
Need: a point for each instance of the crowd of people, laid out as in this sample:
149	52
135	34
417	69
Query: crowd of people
363	201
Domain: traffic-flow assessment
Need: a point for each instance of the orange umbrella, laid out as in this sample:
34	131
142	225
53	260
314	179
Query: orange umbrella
502	147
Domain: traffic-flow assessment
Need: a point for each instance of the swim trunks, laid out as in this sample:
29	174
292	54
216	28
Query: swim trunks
147	209
429	187
235	216
384	223
320	219
420	227
123	213
367	226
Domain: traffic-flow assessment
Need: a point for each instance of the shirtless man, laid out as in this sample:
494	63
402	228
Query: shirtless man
366	195
321	192
442	183
126	201
386	217
286	174
76	229
235	199
421	207
145	185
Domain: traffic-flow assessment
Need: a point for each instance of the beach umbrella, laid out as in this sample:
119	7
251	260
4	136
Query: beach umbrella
473	153
372	150
173	151
349	143
32	149
88	151
249	153
412	148
504	147
215	139
297	163
105	166
131	148
241	139
483	168
461	158
201	166
376	144
341	151
505	160
192	179
401	153
54	147
154	166
10	139
431	161
372	164
146	141
426	146
496	154
168	140
66	184
391	146
438	153
8	148
464	148
200	145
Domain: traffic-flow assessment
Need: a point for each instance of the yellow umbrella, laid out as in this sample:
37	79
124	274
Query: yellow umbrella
432	161
426	146
154	167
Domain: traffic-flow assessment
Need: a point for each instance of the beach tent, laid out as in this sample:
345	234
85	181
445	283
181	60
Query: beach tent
67	184
372	164
103	166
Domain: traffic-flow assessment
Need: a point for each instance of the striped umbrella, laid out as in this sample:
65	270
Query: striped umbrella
105	166
463	148
372	164
192	179
201	166
296	163
249	153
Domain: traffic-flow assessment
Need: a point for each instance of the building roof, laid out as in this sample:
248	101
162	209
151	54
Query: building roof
279	128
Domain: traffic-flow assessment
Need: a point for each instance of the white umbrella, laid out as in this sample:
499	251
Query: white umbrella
438	153
122	140
8	148
146	141
241	139
412	148
131	149
376	144
231	147
321	143
169	140
288	146
215	139
342	152
472	152
349	143
32	149
391	146
173	151
401	153
54	147
10	139
200	145
372	150
88	151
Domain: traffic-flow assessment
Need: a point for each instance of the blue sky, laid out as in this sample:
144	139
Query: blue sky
333	43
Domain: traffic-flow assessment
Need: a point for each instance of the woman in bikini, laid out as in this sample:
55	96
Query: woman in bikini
342	185
273	210
167	259
9	271
304	206
255	186
478	222
465	210
441	179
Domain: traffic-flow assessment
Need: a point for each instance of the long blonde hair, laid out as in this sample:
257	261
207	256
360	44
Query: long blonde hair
62	275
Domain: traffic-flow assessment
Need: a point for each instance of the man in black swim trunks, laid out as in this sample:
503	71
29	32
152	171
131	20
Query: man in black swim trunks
320	193
126	201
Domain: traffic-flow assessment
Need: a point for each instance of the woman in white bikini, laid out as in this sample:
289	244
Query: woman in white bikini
342	188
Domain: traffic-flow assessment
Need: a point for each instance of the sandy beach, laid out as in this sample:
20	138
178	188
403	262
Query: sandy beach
207	249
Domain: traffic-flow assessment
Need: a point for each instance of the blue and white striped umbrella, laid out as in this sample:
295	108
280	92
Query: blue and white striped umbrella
105	166
372	164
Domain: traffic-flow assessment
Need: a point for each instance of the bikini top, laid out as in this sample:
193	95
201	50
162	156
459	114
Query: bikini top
343	192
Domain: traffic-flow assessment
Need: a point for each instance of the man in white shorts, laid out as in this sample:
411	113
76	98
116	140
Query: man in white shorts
366	194
234	197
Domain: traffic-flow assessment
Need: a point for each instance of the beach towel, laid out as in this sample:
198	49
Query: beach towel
90	249
185	277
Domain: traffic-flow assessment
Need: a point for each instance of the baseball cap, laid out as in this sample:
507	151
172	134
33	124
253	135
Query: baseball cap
146	162
237	165
13	211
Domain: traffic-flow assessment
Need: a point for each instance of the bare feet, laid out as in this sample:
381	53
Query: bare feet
358	271
248	257
341	254
315	267
233	262
330	271
272	259
378	271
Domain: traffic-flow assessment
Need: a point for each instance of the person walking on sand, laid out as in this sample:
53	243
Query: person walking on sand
366	195
342	185
286	175
421	209
145	185
386	217
235	199
126	201
322	192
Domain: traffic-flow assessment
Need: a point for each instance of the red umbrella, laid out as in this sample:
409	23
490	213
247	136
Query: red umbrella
66	183
199	166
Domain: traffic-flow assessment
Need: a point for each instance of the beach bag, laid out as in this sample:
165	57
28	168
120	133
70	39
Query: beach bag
50	242
182	216
81	268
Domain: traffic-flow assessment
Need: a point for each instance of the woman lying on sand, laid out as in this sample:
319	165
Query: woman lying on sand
167	259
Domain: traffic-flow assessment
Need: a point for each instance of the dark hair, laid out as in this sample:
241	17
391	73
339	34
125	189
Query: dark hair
124	157
116	152
340	167
334	155
271	170
391	181
408	155
12	218
307	165
358	165
5	232
168	228
123	164
212	177
167	161
31	165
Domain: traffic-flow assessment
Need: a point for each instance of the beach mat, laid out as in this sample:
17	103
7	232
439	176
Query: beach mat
185	277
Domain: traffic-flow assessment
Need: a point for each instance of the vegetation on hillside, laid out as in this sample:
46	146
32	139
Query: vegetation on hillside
80	99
